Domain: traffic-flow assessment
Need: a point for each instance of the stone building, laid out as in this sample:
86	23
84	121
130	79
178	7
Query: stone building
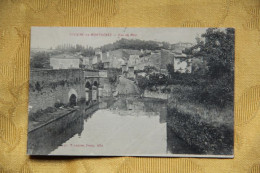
64	61
130	72
99	55
124	69
87	62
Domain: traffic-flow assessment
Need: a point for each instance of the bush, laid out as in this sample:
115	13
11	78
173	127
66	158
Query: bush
219	92
205	89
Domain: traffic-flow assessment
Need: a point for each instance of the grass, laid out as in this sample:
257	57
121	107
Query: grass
217	116
208	128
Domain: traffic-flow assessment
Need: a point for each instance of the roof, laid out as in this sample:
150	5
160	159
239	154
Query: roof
181	55
65	56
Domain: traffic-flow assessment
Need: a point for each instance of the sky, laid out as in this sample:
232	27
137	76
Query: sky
50	37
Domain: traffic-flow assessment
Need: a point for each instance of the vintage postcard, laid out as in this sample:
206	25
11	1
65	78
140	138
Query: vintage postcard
164	92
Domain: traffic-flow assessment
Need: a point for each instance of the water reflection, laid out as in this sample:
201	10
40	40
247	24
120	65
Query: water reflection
43	140
114	126
122	126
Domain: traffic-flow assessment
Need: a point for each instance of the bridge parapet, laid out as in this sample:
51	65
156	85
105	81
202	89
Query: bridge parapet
91	73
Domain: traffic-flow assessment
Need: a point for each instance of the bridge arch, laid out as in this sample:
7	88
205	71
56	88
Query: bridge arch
95	83
72	97
88	85
73	100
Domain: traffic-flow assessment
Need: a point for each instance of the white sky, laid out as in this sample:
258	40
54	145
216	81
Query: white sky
47	37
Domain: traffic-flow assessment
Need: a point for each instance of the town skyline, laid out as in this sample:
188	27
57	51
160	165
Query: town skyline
51	37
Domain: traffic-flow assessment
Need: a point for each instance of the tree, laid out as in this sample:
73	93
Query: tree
40	60
149	69
142	82
112	79
135	44
100	66
170	70
218	51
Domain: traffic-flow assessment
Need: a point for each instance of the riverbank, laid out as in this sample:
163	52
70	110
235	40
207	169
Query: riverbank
47	116
206	128
60	126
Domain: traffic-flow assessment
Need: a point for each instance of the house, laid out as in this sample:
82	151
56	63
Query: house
87	62
94	60
130	72
106	65
124	68
99	54
127	71
133	60
64	61
120	56
182	63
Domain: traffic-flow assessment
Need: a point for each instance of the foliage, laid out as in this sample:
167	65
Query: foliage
38	86
112	79
135	44
170	70
151	81
142	82
40	114
84	51
40	60
212	82
219	48
149	69
100	66
216	86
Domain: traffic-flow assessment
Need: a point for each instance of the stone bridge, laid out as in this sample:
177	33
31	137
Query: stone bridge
94	82
49	88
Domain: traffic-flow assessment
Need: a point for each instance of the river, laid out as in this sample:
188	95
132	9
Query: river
128	126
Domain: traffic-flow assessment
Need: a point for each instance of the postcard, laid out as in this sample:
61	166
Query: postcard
160	92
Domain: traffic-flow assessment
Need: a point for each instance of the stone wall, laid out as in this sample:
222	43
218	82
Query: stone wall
48	87
45	139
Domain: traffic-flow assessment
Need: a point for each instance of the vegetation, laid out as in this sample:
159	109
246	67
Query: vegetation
84	51
151	81
216	85
42	114
40	60
135	44
112	79
100	66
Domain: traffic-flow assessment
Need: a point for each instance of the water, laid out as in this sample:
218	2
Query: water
126	126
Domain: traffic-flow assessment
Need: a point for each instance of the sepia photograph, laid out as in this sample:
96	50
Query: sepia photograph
159	92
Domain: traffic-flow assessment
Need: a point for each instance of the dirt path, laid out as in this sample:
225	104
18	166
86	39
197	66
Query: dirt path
126	86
